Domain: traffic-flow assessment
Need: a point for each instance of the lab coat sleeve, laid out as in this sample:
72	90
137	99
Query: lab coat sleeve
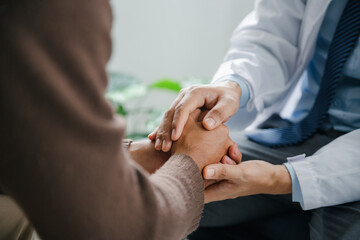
332	175
263	51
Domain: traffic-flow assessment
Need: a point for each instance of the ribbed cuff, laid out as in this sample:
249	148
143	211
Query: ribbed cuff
182	168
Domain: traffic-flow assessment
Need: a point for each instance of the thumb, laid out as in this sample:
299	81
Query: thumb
218	115
220	171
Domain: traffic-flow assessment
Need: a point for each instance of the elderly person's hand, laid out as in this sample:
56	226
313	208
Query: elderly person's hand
144	153
203	146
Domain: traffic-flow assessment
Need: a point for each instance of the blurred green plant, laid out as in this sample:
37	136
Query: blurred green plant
130	98
168	84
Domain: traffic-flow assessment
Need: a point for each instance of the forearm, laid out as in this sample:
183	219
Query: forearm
331	175
264	49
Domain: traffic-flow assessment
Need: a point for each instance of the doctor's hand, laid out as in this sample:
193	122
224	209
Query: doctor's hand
221	99
145	154
244	179
203	146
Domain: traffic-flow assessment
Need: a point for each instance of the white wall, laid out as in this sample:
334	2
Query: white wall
173	38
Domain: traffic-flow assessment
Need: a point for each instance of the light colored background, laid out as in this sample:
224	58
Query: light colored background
173	38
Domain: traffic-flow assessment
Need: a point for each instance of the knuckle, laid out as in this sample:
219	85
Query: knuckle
216	114
163	134
179	107
169	113
232	102
159	135
222	173
166	136
194	90
226	129
185	90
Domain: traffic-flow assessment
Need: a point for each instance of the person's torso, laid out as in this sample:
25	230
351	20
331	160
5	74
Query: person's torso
344	112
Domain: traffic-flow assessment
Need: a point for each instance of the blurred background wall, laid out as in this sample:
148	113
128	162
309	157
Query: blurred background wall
153	39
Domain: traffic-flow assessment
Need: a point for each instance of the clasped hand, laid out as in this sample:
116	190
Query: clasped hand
226	177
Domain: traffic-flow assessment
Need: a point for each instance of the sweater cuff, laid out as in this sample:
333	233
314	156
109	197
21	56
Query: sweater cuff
184	169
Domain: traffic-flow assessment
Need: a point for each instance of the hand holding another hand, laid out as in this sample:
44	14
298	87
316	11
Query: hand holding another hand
244	179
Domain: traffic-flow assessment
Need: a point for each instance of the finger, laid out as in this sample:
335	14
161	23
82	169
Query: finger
220	171
166	146
182	111
202	115
152	136
195	115
218	191
167	123
220	113
164	130
227	160
178	98
158	144
235	153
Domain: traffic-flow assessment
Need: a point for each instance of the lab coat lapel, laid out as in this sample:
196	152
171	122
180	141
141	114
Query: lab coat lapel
313	17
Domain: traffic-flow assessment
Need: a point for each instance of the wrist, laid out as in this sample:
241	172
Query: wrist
197	160
281	180
234	86
134	149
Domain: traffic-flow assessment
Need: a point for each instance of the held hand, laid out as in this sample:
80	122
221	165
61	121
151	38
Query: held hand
144	153
235	158
204	147
222	99
247	178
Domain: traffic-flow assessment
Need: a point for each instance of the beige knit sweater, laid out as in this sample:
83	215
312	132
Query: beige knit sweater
60	146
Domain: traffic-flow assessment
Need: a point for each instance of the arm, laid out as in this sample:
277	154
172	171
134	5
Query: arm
263	50
257	71
331	175
61	155
244	179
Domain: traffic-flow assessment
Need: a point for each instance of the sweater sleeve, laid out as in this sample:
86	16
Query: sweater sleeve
60	145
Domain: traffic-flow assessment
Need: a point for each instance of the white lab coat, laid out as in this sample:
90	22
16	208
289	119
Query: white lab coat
270	50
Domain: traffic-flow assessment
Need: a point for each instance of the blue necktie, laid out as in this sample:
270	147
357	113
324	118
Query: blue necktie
344	41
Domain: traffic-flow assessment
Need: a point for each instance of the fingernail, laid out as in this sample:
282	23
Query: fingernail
173	134
164	145
158	142
210	172
210	122
237	152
